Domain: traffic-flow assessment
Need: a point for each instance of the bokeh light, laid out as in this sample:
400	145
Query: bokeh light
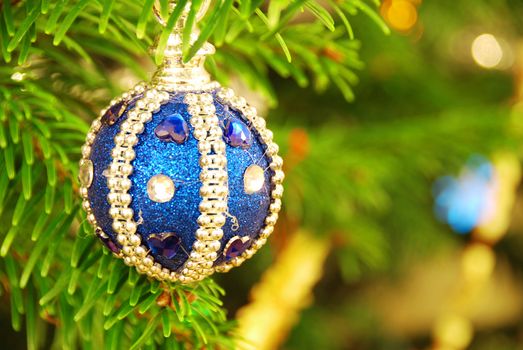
401	15
478	262
462	202
452	332
495	223
18	76
487	51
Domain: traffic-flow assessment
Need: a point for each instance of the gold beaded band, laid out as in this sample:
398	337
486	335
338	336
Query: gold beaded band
213	191
86	164
207	87
227	97
134	254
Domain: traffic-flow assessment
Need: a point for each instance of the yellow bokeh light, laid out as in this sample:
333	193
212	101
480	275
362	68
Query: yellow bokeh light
477	262
487	51
401	14
494	225
453	331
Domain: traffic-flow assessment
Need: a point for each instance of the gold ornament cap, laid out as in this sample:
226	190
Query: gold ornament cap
173	73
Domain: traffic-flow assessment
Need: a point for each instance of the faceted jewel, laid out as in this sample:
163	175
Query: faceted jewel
173	129
107	241
237	134
236	247
114	113
165	244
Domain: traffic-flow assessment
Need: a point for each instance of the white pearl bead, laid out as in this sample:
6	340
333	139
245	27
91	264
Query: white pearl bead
140	251
206	98
86	151
194	109
190	99
122	239
147	261
134	240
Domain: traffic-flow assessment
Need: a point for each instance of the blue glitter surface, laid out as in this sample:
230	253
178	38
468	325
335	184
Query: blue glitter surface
181	164
249	209
101	158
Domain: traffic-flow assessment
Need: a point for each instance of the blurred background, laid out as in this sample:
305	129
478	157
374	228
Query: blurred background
400	227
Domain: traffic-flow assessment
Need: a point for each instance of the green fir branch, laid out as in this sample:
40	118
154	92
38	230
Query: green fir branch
60	60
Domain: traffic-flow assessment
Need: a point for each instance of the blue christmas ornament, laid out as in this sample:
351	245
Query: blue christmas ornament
180	177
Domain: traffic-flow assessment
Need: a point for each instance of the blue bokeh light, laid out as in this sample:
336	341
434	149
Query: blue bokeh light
461	201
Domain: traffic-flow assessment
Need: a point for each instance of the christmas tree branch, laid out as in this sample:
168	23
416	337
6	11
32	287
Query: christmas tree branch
235	25
59	72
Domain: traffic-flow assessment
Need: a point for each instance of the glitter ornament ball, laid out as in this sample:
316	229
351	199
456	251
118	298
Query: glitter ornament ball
181	184
180	177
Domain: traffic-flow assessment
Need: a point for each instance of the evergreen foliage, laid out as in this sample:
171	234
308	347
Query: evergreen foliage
58	72
358	175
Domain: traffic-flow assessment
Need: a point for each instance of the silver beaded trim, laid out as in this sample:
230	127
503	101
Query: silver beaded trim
228	97
86	149
213	191
134	254
211	86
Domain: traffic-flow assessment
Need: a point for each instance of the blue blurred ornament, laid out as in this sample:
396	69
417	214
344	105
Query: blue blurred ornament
180	177
461	202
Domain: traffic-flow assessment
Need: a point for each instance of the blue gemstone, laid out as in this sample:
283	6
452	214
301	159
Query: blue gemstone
107	241
164	244
237	134
236	248
173	129
114	113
